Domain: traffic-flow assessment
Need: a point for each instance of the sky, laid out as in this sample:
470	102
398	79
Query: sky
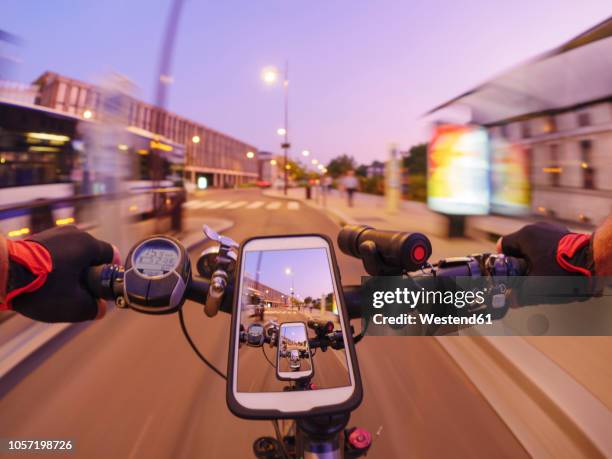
362	72
301	263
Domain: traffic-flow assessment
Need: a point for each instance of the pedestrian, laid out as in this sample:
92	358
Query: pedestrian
350	183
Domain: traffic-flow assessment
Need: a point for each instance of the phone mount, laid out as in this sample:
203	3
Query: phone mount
217	262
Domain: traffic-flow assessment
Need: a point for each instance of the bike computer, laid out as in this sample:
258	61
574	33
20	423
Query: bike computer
157	272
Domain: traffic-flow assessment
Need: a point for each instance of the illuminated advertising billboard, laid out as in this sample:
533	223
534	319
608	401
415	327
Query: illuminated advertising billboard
510	189
458	170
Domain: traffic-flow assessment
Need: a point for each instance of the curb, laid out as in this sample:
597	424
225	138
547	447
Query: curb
39	334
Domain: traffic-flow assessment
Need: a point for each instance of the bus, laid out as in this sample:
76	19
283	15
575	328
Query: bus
44	155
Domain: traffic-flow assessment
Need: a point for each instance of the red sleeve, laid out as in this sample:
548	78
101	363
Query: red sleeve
567	248
4	266
35	258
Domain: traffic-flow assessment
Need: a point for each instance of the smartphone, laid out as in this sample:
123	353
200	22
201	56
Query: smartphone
293	359
287	283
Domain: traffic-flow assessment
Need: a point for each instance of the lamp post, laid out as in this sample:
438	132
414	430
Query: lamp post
270	75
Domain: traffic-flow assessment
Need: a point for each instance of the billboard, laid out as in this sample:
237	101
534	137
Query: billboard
458	170
510	188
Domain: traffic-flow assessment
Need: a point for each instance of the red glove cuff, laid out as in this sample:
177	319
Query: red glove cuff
568	247
36	259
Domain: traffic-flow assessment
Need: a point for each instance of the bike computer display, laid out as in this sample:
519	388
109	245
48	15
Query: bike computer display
157	273
156	258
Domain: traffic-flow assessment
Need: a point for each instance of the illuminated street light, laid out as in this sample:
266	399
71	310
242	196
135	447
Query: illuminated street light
250	155
320	167
269	75
288	167
305	153
195	139
288	271
87	114
315	162
273	162
122	147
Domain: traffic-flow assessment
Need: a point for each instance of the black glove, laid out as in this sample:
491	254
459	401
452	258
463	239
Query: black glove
560	261
550	250
63	297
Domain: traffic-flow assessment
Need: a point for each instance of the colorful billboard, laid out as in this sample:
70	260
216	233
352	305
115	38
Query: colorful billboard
458	170
510	188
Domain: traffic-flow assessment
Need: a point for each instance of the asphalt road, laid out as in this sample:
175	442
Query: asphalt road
129	386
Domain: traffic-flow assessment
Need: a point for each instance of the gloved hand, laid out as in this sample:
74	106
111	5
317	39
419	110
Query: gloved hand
550	250
46	276
552	253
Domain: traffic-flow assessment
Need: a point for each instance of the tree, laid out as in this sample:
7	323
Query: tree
416	164
308	300
416	159
340	165
362	170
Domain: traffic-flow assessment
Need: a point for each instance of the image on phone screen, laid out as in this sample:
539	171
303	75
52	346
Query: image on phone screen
291	293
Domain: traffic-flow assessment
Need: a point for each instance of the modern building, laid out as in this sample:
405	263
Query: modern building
220	158
556	109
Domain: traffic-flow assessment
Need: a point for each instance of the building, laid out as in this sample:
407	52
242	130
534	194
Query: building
266	294
557	109
220	158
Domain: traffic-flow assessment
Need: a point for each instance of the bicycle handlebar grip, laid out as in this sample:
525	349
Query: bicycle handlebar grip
100	280
408	251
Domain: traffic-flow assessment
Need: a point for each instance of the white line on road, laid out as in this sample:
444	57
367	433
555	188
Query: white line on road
217	205
201	204
293	205
237	204
274	205
255	205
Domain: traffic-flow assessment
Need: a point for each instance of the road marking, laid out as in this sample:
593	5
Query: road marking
274	205
190	204
217	205
255	205
293	205
237	204
140	436
201	204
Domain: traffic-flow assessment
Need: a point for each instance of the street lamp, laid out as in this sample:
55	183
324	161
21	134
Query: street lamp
195	139
315	162
87	114
281	131
305	153
270	75
250	155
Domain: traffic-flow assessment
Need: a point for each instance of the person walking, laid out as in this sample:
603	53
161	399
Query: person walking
350	184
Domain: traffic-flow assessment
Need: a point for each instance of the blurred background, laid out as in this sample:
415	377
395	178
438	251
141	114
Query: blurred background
461	122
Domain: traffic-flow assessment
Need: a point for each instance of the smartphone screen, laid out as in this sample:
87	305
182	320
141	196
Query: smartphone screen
288	286
293	361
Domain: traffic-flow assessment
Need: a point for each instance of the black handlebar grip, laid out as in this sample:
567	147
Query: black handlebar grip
406	251
101	281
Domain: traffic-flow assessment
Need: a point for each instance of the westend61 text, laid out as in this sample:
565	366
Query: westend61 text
432	319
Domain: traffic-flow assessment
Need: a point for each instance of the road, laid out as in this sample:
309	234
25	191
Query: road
129	386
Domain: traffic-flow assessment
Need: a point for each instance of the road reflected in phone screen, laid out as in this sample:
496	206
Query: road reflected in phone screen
290	293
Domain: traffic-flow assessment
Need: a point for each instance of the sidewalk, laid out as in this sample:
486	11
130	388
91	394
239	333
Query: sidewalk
371	210
21	336
413	216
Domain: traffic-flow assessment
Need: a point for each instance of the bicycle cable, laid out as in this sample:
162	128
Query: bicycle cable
266	356
195	348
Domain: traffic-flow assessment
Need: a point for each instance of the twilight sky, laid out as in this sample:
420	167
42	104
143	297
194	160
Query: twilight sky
305	265
362	72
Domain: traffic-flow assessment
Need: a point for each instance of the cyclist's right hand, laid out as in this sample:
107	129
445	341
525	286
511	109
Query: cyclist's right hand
550	250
